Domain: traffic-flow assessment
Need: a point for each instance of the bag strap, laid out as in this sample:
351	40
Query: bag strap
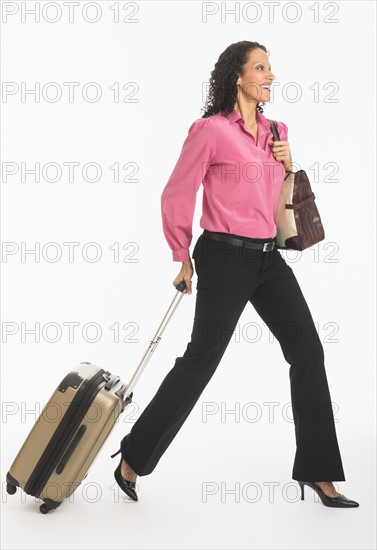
274	128
276	137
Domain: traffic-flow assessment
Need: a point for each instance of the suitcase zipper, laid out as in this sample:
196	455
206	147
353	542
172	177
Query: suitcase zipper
58	442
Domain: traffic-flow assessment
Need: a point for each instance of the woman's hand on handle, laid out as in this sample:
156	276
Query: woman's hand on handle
281	151
185	274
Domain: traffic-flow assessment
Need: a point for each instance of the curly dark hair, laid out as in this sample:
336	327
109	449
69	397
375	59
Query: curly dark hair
222	93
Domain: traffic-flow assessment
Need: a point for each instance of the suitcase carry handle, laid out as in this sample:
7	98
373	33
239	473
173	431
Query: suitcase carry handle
153	344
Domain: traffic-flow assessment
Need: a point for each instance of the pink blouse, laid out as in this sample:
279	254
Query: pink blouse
241	181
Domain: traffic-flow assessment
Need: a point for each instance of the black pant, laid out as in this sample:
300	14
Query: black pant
228	277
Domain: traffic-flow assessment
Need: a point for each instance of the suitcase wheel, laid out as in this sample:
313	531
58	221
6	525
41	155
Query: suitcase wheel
48	505
11	489
44	508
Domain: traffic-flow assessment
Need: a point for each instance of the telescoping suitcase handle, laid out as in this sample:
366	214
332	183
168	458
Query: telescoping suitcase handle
152	346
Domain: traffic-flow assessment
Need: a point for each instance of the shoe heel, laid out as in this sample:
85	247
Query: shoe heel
112	456
301	484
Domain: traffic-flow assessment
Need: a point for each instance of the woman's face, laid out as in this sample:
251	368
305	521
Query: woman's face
257	72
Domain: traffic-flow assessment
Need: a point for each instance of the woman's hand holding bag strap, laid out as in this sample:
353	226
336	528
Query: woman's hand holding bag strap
297	218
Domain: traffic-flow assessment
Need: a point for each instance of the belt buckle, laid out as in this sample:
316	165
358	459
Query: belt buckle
266	245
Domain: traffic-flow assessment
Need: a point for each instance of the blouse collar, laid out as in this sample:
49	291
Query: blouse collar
234	116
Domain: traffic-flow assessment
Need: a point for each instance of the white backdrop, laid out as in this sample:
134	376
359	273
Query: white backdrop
115	87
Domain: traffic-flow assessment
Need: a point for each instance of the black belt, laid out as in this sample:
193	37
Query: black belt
264	246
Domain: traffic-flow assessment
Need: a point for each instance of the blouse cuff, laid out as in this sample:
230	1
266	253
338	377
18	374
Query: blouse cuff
181	255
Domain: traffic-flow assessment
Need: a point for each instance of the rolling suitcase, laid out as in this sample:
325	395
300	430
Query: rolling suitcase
73	426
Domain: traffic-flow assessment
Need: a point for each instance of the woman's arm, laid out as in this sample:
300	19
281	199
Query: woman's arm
178	198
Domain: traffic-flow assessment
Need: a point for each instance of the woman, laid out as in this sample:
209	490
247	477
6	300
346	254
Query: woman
230	150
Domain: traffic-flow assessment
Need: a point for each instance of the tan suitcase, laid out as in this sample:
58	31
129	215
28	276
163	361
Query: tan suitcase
73	426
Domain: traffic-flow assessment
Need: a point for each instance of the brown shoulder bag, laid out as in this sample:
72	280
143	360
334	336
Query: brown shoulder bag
297	218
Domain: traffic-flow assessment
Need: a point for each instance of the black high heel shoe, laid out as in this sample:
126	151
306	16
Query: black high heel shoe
127	486
340	501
